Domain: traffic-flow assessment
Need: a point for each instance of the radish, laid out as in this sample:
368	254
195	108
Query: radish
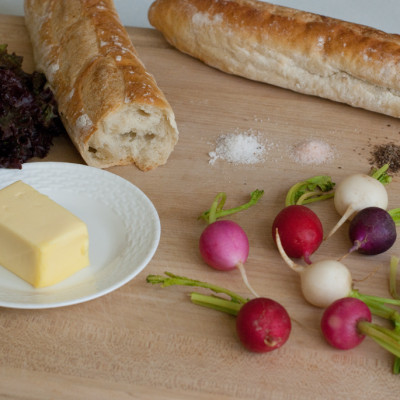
326	281
341	323
224	244
372	231
346	322
356	192
300	231
262	324
322	282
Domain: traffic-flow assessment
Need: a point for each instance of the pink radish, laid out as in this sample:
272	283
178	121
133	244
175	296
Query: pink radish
340	323
300	231
346	322
223	244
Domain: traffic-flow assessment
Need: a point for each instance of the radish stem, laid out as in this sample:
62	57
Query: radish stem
382	311
313	189
216	210
216	206
312	197
395	214
378	300
387	338
172	279
216	303
381	174
394	263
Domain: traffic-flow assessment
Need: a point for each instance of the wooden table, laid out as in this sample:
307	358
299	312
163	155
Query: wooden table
147	342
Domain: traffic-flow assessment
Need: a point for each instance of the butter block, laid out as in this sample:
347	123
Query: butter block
40	241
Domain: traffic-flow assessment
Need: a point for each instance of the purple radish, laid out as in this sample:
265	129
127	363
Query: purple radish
372	231
355	193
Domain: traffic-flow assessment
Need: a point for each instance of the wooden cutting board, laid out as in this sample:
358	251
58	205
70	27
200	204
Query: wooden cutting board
148	342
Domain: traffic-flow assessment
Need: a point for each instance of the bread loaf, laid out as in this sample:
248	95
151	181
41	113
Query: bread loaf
297	50
109	103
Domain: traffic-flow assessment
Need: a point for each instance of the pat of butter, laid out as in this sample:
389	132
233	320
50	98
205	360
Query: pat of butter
40	241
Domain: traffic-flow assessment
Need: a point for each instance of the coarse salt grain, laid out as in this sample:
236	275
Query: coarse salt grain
312	152
238	148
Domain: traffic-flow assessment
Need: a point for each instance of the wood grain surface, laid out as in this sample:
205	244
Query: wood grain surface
147	342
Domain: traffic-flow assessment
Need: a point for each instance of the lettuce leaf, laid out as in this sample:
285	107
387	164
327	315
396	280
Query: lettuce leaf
29	118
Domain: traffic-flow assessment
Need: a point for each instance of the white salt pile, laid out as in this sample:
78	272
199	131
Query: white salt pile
239	148
312	152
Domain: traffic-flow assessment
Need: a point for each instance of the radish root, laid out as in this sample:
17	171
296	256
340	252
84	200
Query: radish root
347	214
295	267
242	270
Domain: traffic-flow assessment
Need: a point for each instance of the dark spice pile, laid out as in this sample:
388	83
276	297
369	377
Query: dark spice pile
386	154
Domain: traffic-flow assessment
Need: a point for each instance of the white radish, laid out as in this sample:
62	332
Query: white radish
322	282
355	193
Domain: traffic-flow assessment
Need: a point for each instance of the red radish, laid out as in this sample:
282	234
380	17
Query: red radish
300	231
341	321
223	244
372	231
263	325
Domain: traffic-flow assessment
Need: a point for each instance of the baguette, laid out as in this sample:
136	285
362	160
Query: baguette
296	50
111	107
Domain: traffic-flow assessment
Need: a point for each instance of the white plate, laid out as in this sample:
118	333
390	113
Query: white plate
124	232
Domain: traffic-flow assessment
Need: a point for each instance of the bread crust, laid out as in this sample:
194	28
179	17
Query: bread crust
282	46
110	104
